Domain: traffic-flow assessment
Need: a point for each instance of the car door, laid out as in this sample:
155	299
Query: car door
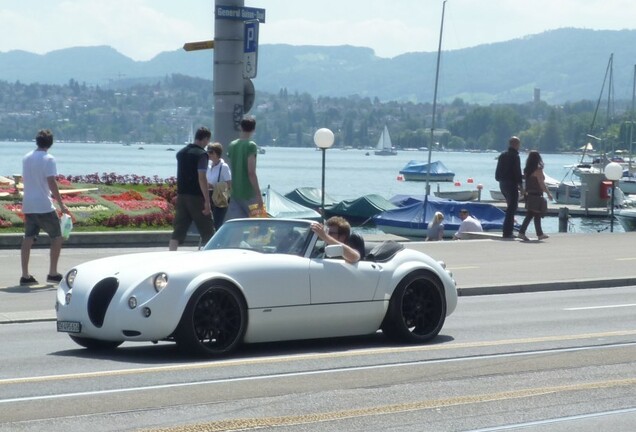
333	280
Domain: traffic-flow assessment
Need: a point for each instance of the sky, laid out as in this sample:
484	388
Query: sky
141	29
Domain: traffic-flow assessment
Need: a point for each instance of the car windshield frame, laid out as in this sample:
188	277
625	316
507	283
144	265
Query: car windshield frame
265	235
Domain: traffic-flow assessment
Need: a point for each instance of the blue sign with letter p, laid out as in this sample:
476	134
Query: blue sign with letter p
250	38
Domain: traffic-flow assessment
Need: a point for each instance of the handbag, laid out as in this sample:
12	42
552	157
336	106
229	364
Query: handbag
220	193
537	204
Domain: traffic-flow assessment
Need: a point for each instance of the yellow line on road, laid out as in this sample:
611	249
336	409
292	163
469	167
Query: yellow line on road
258	423
314	356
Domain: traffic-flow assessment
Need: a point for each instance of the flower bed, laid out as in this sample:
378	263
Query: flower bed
118	202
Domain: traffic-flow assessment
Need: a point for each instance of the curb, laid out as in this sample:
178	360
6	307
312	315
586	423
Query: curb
102	239
545	286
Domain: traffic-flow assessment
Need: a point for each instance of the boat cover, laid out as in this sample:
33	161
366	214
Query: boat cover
310	197
360	209
417	167
417	216
278	206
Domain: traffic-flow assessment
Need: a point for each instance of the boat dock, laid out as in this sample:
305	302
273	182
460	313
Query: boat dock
555	208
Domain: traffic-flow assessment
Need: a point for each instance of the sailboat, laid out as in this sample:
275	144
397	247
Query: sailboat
385	147
191	135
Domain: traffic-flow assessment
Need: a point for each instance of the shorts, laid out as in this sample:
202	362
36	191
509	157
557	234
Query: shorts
48	222
189	209
239	208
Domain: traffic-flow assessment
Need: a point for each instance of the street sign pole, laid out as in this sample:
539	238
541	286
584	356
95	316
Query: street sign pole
227	73
230	51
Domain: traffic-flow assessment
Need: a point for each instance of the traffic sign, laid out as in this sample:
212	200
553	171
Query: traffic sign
250	48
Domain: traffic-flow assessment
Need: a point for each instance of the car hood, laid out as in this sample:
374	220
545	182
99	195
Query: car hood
144	264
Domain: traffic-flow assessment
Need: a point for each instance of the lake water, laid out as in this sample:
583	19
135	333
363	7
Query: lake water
348	173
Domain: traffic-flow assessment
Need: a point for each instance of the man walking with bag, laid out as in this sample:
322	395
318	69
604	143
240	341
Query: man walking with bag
38	175
508	174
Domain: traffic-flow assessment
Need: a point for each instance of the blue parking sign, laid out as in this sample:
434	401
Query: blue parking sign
250	48
250	39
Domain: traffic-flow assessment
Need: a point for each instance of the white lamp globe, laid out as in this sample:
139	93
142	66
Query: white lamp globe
613	171
323	138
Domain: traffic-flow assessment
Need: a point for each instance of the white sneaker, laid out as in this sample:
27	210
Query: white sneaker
544	236
523	237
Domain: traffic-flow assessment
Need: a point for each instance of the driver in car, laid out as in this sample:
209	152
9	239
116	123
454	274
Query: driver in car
338	231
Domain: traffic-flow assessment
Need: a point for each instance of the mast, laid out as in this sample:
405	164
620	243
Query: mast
432	141
631	123
608	72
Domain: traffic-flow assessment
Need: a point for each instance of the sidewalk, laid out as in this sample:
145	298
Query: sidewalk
480	267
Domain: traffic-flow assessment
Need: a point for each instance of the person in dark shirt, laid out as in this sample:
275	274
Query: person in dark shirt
508	174
193	199
338	231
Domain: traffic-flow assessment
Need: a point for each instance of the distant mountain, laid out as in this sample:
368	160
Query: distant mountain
566	64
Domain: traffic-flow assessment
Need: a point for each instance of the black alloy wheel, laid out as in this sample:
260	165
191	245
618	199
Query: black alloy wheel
214	321
417	309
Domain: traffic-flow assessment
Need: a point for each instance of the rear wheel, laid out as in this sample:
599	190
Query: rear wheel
417	309
213	322
95	344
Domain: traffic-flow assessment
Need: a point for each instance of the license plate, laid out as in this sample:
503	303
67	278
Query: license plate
69	326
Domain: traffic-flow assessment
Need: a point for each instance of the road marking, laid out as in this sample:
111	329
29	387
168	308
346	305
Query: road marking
600	307
626	259
464	268
314	356
314	372
258	423
557	420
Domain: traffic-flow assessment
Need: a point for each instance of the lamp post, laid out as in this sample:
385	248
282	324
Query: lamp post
613	172
323	138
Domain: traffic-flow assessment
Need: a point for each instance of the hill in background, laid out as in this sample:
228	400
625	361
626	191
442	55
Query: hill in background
565	64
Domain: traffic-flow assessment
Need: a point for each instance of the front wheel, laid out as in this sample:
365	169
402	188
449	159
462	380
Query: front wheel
95	344
417	309
213	322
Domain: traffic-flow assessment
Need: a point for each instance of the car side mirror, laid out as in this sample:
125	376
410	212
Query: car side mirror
334	251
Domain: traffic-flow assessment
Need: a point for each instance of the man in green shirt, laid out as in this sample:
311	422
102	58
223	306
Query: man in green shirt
245	189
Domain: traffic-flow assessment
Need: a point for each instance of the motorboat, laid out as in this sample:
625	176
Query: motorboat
278	206
310	197
627	218
461	195
411	220
360	210
420	171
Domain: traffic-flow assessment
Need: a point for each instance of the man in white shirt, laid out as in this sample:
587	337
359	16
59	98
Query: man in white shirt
469	224
38	175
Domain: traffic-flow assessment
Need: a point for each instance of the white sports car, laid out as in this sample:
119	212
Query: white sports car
256	280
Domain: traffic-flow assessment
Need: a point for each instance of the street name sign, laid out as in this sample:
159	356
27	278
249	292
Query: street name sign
239	13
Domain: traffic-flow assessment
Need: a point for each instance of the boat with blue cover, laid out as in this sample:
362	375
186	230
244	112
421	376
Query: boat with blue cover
412	218
418	171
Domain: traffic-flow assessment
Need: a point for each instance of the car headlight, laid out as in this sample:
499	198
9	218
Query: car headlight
160	281
70	278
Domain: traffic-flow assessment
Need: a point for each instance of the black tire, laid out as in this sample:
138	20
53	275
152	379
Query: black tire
94	344
214	321
417	309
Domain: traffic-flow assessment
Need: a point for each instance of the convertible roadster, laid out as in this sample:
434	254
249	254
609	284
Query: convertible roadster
257	280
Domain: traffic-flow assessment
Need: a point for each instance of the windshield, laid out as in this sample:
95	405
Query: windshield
263	235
